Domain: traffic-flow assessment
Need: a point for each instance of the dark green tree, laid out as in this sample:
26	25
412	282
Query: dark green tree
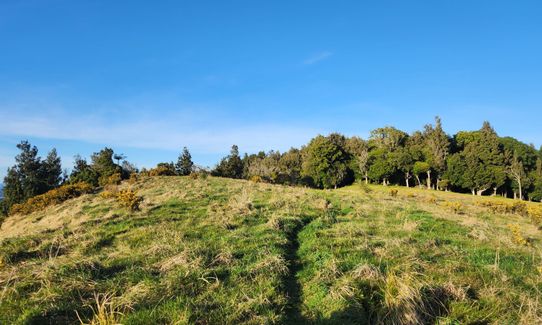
230	166
28	177
326	161
437	147
184	165
102	163
52	170
83	172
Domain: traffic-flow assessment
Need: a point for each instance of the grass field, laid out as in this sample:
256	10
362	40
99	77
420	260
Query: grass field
222	251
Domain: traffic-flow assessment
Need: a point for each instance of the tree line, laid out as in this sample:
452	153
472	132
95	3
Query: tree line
478	162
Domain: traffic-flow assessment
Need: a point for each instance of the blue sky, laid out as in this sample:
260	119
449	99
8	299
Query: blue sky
147	78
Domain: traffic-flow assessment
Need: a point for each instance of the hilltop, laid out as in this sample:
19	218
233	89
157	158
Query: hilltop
216	250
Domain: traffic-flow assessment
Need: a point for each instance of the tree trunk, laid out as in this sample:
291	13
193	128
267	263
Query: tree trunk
366	179
473	191
419	182
481	192
520	190
407	176
428	179
494	191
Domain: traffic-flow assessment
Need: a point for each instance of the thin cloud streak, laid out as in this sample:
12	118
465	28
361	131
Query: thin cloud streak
318	57
159	134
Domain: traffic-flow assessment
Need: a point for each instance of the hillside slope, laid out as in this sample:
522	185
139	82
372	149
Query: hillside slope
214	251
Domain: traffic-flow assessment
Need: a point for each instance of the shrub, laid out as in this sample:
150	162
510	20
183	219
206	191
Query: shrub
162	170
535	213
114	179
53	197
109	194
517	237
200	174
134	177
255	179
517	207
129	199
456	207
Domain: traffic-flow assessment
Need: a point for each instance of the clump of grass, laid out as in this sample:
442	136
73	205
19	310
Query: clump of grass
402	299
393	192
105	311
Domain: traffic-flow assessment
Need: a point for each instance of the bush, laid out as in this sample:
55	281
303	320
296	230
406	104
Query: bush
517	207
109	194
129	199
134	177
162	170
114	179
535	213
456	207
53	197
256	179
200	174
517	237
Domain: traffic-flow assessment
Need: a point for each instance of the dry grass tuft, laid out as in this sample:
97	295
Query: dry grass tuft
106	311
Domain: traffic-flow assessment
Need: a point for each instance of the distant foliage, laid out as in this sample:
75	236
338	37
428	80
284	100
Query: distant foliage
53	197
163	169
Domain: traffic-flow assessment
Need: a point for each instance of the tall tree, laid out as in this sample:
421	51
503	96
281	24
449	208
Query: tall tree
359	150
184	165
83	172
326	161
437	149
102	163
230	166
53	170
30	176
518	175
481	156
291	165
388	138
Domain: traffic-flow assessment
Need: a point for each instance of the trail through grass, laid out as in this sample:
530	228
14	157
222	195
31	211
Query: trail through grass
221	251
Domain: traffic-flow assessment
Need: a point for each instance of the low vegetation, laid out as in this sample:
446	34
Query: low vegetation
52	197
213	250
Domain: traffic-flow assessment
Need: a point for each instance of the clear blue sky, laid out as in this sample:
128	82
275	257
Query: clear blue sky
149	77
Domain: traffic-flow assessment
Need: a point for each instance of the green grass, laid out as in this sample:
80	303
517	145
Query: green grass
220	251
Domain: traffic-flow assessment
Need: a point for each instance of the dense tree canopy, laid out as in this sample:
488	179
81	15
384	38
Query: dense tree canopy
326	161
31	176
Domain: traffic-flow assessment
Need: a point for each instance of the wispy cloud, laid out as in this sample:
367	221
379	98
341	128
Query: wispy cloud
315	58
165	133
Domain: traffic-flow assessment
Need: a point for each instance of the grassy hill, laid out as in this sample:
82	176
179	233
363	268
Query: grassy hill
215	251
